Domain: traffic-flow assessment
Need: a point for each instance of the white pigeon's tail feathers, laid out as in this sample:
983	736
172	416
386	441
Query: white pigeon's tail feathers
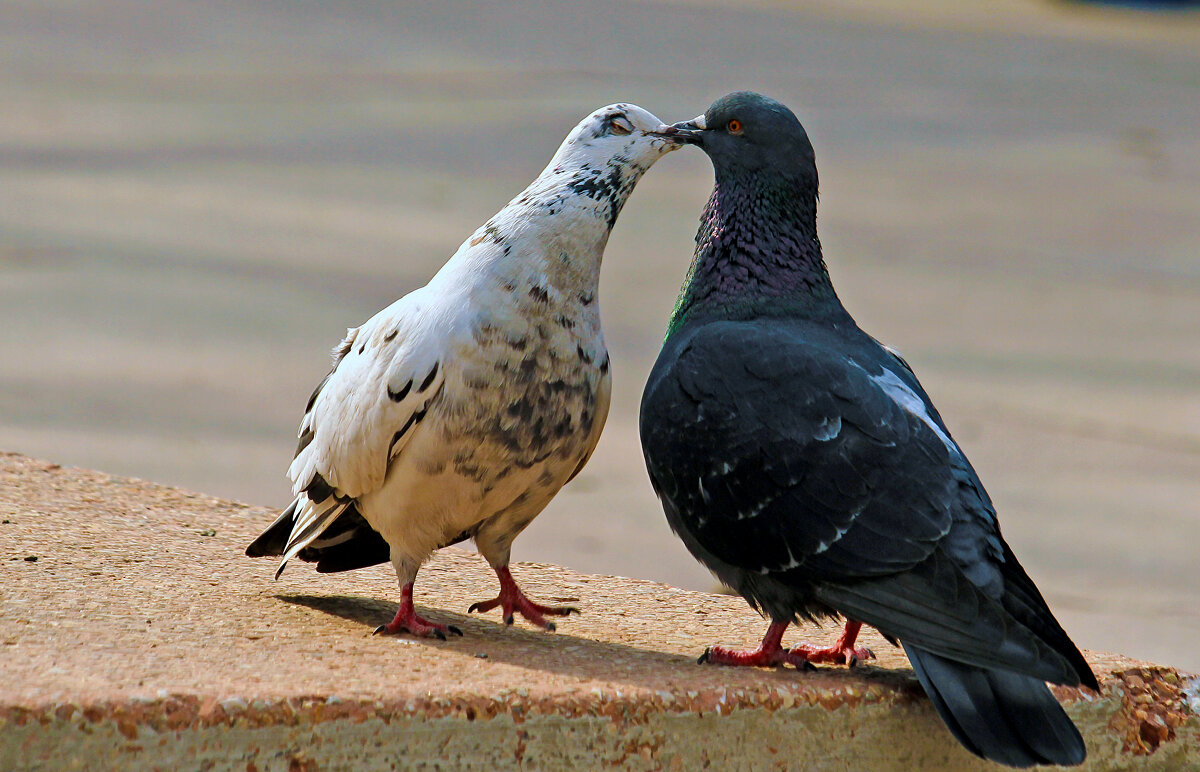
310	519
348	543
273	540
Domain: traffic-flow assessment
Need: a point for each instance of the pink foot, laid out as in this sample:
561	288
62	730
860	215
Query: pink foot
768	654
771	654
511	599
407	621
842	652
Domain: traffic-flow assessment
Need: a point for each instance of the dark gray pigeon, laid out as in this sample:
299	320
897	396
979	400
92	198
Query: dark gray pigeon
801	461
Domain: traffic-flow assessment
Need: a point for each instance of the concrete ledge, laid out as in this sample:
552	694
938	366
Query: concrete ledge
133	633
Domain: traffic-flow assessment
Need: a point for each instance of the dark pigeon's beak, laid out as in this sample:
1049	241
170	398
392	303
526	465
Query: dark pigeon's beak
684	132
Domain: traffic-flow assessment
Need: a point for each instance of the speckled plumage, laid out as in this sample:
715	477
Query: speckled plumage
460	410
802	462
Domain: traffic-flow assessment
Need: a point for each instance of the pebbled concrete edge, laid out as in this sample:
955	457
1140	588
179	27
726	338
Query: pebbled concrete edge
1146	719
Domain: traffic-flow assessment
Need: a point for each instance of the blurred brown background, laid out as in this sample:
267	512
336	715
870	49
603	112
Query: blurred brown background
197	198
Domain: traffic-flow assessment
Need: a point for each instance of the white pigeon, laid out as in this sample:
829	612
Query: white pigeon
460	410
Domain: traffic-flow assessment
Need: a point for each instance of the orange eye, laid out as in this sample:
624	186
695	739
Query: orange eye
734	126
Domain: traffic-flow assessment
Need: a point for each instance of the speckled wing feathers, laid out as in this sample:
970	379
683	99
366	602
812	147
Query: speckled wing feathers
361	415
381	385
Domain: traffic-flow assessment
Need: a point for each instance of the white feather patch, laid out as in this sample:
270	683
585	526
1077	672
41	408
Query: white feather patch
912	404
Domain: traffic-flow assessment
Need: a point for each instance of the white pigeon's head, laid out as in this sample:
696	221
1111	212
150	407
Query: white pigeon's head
601	161
623	133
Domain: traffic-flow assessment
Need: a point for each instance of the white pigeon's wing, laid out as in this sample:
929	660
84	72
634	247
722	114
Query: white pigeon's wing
385	375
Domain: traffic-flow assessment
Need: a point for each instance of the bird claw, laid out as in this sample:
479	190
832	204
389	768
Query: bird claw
407	621
771	654
429	630
512	601
851	656
842	652
858	655
763	656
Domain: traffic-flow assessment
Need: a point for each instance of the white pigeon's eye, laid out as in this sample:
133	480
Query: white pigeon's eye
620	126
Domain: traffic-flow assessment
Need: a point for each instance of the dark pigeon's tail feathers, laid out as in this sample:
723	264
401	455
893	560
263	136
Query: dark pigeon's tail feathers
999	715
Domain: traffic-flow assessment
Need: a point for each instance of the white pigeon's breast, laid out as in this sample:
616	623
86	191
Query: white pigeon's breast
518	414
527	381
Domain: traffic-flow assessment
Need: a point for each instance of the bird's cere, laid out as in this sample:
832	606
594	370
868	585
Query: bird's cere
460	410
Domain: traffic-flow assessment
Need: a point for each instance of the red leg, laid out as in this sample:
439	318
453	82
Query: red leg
770	653
842	652
511	599
407	621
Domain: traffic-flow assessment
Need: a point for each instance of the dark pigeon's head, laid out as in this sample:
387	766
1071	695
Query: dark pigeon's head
748	133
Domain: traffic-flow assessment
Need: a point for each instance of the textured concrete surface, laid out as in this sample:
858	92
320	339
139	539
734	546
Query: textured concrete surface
195	204
135	634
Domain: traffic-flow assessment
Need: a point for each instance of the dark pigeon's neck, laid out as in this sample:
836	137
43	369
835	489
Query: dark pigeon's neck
757	255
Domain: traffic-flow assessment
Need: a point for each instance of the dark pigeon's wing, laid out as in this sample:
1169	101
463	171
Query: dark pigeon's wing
780	455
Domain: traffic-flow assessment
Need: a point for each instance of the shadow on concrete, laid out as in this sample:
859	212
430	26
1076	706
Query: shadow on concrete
566	654
367	611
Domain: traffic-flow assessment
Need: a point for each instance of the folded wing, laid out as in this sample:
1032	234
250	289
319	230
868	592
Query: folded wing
386	374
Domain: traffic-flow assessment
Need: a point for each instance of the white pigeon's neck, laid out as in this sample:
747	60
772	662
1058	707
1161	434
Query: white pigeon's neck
557	227
578	195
